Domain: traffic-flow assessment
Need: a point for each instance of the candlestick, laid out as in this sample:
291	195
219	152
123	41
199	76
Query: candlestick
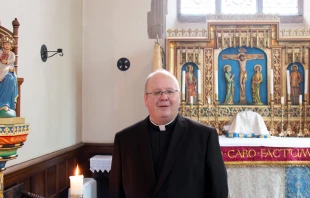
191	107
199	81
306	82
209	114
183	107
209	100
271	82
183	84
300	99
157	62
191	99
300	133
288	84
289	131
216	103
76	184
282	100
216	84
306	132
198	109
282	133
272	131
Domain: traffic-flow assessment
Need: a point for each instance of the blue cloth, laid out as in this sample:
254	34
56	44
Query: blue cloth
297	182
8	91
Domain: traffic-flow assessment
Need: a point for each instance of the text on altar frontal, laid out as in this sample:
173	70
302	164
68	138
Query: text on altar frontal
232	154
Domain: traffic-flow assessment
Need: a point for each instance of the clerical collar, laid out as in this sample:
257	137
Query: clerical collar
163	127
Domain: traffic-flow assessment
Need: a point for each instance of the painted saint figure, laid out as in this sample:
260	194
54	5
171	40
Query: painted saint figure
295	79
230	85
257	80
8	80
191	83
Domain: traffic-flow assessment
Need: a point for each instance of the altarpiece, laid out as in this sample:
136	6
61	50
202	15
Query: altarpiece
240	64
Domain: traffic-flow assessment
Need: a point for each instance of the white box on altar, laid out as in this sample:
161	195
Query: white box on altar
89	188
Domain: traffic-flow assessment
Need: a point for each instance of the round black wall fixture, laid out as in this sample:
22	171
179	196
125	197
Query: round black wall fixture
123	64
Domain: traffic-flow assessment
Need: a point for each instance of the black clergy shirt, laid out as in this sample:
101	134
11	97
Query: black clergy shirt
159	144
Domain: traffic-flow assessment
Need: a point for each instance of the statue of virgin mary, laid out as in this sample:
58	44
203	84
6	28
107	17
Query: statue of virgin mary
8	79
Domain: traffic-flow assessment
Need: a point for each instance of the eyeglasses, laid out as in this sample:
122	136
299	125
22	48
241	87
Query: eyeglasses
157	94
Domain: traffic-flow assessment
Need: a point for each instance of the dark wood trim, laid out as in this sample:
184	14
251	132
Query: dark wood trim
50	177
44	178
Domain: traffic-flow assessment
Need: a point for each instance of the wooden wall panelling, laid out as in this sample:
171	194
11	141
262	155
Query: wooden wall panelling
62	176
71	166
27	184
38	184
48	178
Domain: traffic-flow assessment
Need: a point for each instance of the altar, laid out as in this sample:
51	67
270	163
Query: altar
267	167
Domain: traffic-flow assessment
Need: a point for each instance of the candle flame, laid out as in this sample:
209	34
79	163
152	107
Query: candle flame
77	170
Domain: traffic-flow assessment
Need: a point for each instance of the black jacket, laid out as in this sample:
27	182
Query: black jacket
194	167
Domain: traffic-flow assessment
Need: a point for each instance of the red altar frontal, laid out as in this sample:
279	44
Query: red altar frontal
267	167
271	151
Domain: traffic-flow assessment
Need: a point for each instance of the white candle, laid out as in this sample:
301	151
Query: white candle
209	100
76	183
216	84
282	100
199	81
191	99
271	81
183	83
288	84
300	99
306	82
157	62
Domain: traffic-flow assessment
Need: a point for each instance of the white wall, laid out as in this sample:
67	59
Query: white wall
51	94
113	99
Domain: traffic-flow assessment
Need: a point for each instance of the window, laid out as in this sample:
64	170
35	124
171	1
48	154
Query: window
197	7
290	11
282	7
238	7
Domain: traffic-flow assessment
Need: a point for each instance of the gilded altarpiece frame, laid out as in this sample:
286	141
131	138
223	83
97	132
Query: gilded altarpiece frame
280	54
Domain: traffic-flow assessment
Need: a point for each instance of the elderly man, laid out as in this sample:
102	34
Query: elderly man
167	155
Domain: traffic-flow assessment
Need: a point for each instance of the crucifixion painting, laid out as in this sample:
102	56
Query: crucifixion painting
242	58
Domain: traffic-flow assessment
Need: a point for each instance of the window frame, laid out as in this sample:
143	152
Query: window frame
298	18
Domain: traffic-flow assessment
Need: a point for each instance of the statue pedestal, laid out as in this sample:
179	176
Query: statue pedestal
242	100
13	134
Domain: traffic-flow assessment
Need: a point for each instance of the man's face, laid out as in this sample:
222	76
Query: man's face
242	57
162	109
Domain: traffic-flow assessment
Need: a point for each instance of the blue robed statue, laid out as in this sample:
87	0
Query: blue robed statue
8	79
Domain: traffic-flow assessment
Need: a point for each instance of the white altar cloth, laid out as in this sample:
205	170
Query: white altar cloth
247	124
268	142
100	163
